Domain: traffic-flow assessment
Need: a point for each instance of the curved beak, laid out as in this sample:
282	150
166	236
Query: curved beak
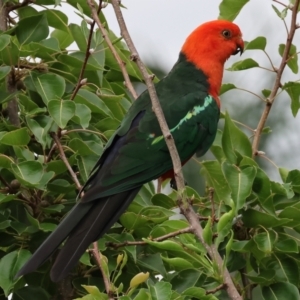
239	48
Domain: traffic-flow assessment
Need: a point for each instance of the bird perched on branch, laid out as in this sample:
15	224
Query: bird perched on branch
137	152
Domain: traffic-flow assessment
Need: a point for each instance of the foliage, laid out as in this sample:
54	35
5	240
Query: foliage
253	220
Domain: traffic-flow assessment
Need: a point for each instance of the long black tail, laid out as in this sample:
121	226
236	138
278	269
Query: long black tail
85	224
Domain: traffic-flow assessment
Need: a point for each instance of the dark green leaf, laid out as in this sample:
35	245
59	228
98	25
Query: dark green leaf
280	291
293	89
32	29
254	218
4	41
10	264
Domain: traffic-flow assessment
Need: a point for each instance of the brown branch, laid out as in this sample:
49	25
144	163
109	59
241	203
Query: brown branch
158	239
65	160
98	257
12	106
16	6
185	207
218	288
87	55
277	83
112	49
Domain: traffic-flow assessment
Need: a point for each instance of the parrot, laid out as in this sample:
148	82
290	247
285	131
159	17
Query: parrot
137	152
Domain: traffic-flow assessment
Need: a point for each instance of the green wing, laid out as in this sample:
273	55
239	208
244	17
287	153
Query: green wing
137	153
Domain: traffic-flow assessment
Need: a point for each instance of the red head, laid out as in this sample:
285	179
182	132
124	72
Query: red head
209	46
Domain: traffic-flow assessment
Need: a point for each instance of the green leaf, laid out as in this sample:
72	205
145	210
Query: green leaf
178	263
293	177
254	218
49	86
40	127
28	171
82	115
293	89
93	102
224	226
229	9
233	140
32	29
262	188
86	147
186	279
160	291
61	111
240	181
266	93
10	264
286	244
57	19
280	291
258	43
227	87
27	292
292	58
19	137
207	232
4	71
245	64
64	38
143	294
265	241
216	179
4	41
280	14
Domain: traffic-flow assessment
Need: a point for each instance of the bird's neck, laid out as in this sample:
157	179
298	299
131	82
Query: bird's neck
211	64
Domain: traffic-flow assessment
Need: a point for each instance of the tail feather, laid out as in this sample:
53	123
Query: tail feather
85	224
101	217
55	238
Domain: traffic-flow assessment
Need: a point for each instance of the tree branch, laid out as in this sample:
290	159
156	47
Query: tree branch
87	55
98	257
277	83
65	160
185	207
158	239
112	49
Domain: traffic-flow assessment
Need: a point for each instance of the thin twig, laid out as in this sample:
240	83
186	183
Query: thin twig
158	239
185	207
84	130
112	49
281	3
98	257
87	55
213	291
277	83
65	160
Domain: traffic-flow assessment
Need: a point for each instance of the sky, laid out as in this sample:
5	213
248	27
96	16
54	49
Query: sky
159	28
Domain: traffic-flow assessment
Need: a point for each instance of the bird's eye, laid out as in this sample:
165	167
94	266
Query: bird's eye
226	34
